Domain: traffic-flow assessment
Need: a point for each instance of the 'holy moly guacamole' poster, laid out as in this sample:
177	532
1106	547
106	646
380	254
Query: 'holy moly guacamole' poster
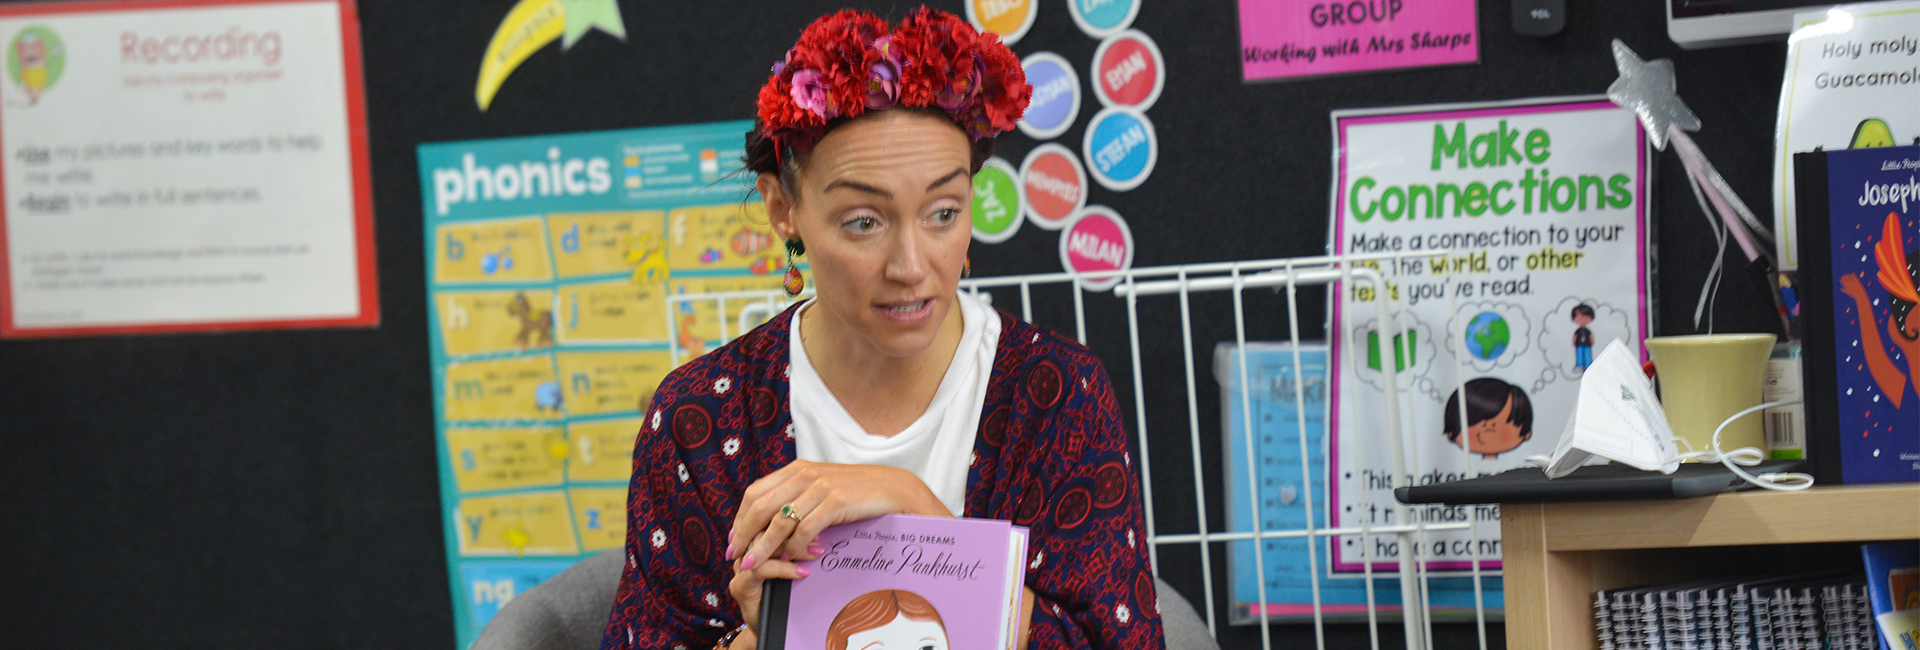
1540	209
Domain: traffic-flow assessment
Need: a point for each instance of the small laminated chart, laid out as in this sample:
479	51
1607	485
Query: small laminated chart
1285	497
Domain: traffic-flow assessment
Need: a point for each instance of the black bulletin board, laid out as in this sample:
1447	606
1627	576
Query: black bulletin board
278	489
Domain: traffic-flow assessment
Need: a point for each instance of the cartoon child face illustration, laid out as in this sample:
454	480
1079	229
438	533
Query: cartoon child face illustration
1582	315
1499	417
889	619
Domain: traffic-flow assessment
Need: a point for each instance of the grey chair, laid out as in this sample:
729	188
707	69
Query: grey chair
569	611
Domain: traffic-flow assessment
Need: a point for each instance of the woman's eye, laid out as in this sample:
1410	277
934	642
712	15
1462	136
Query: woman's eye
862	225
944	217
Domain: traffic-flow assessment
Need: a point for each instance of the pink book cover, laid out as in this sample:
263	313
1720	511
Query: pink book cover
901	582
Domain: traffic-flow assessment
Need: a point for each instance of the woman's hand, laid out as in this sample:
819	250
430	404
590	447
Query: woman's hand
765	543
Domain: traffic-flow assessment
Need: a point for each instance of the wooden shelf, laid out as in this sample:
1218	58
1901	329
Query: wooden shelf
1557	554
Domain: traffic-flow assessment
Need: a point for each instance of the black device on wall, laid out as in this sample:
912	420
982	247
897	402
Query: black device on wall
1539	18
1713	23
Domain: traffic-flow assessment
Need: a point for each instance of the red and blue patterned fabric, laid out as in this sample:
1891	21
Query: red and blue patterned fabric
1051	454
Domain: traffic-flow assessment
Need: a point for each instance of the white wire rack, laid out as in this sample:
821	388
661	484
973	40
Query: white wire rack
1144	289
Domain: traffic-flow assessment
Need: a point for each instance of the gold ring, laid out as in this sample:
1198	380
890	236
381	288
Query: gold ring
790	513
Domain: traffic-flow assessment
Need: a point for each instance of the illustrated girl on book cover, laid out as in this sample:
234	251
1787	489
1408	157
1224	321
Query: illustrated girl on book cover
1896	276
889	619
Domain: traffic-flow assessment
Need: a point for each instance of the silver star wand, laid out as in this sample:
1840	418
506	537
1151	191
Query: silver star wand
1648	89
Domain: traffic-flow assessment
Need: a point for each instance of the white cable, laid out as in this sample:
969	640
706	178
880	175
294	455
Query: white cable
1748	456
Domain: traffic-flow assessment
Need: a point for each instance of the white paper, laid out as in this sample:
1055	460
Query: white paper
1617	417
1845	66
187	166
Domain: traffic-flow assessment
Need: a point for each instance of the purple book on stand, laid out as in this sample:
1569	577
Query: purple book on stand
909	582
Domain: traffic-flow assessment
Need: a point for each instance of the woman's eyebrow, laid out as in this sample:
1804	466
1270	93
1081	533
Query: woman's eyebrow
946	179
856	185
876	191
872	644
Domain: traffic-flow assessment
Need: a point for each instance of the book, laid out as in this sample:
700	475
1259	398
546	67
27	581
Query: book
1893	587
1859	212
919	581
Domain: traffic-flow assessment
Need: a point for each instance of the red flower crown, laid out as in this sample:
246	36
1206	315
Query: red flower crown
848	63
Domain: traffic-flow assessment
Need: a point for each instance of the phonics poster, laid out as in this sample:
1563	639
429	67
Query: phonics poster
1540	208
180	165
548	262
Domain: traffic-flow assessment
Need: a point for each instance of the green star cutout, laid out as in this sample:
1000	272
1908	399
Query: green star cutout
583	15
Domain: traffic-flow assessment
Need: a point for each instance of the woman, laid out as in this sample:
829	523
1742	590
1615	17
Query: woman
890	392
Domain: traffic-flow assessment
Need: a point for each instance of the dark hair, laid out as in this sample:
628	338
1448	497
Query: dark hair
1486	396
767	156
1582	309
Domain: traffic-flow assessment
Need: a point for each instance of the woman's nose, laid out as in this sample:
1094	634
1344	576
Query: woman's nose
907	262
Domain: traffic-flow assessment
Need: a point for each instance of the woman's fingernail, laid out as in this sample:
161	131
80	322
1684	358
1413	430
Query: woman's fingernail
816	549
747	564
802	571
730	551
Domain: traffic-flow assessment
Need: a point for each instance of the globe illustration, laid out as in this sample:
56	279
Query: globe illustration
1487	335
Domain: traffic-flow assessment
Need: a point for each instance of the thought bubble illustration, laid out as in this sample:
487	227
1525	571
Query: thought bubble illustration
1558	330
1370	352
1489	334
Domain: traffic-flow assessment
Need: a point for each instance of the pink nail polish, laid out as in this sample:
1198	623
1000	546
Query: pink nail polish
747	564
802	571
816	549
730	551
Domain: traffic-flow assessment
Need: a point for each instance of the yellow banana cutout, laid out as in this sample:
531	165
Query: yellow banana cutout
531	25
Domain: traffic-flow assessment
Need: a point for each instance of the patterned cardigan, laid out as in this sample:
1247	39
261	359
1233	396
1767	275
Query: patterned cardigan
1051	454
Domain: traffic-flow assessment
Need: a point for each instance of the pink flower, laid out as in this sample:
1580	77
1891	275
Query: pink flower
812	94
883	85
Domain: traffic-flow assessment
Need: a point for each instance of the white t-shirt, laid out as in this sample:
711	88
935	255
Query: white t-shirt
937	447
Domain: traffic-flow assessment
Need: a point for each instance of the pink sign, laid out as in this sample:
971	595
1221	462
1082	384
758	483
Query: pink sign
1283	39
1097	240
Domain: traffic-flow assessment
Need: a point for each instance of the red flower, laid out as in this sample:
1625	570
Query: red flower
848	62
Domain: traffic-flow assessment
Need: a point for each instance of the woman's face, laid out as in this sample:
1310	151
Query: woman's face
884	207
901	634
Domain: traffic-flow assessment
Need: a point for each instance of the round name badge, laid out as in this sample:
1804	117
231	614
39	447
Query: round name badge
1009	18
1128	71
1120	148
1056	96
996	202
1054	185
1098	240
1103	18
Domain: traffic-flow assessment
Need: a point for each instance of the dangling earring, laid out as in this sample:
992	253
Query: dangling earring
794	283
966	269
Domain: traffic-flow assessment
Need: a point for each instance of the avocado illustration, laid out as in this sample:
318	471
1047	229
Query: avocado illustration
1872	132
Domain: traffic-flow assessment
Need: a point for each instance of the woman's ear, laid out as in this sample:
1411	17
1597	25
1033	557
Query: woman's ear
779	205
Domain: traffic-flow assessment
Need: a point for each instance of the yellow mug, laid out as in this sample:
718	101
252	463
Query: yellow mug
1706	378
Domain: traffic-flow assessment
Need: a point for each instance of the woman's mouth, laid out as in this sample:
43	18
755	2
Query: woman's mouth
907	313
